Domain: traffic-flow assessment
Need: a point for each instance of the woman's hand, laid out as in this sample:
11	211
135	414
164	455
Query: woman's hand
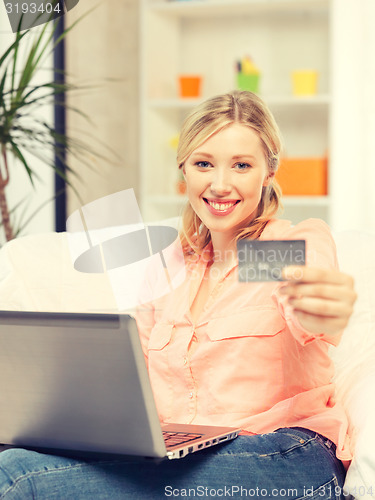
322	299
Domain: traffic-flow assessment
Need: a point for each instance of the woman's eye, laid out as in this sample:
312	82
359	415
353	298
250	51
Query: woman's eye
242	166
203	164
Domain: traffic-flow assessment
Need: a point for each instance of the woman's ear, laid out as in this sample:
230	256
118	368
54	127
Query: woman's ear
267	181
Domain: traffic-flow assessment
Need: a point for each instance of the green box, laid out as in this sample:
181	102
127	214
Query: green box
248	82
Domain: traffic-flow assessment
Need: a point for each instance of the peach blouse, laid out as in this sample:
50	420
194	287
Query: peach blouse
247	362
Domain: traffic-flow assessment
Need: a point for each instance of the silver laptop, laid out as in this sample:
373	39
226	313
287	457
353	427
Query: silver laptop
79	382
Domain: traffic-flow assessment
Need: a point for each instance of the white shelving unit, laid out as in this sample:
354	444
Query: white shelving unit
206	37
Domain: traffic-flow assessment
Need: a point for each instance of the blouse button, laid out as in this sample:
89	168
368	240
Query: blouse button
191	395
185	360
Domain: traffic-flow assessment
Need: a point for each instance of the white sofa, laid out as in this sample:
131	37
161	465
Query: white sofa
36	273
355	359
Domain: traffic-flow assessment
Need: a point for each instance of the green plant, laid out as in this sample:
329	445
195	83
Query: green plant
24	133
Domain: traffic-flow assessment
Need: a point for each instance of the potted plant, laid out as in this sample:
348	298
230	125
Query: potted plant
24	133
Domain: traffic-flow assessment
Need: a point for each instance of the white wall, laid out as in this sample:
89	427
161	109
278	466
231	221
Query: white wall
102	52
353	112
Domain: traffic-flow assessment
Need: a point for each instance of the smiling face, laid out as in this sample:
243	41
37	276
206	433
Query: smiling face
225	176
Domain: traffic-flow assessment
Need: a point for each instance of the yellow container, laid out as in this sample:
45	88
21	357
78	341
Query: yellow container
305	82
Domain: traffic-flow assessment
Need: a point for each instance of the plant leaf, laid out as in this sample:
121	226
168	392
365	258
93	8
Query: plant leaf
12	47
2	85
20	156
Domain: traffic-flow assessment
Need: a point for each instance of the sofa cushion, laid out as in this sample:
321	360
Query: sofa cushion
36	274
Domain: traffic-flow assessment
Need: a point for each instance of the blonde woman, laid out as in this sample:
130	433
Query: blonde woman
223	352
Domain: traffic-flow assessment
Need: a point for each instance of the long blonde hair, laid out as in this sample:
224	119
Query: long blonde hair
208	118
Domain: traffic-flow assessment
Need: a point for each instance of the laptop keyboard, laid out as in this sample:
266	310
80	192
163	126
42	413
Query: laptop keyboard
177	438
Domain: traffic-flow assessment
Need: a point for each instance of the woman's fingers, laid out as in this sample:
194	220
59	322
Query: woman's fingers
311	290
322	324
322	307
322	299
329	294
308	274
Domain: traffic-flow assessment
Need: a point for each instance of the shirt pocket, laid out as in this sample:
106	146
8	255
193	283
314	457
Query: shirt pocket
245	360
254	322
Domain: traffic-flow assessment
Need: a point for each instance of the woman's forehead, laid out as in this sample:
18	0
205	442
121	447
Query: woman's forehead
240	138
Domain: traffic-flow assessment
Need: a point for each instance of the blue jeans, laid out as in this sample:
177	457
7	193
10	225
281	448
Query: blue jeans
289	463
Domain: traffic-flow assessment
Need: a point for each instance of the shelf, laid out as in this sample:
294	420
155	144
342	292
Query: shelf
280	101
173	103
294	201
198	8
318	100
171	199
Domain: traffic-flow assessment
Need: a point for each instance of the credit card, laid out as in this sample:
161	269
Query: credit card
265	260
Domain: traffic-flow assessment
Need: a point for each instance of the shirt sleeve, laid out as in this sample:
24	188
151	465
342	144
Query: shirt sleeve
320	252
151	300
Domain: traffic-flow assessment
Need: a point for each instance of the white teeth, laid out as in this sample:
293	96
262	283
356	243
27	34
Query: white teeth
220	206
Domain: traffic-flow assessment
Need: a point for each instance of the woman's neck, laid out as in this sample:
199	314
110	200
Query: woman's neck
224	249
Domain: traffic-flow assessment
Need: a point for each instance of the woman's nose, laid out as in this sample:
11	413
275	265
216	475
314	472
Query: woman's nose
220	183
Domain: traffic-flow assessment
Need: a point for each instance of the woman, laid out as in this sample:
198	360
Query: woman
249	355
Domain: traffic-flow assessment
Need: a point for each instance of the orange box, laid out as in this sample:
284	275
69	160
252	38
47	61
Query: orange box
303	176
189	85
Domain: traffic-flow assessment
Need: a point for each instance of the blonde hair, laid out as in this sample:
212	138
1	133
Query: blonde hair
208	118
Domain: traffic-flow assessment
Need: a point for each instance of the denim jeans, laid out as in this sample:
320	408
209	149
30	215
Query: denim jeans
285	464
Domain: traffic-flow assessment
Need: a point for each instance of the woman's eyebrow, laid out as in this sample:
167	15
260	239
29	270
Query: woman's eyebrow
243	157
202	153
234	157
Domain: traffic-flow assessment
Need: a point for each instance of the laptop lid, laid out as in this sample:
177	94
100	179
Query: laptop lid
76	382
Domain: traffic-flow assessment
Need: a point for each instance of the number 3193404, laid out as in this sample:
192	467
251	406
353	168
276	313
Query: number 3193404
31	8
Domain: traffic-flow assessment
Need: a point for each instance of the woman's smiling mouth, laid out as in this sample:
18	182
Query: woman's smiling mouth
220	207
